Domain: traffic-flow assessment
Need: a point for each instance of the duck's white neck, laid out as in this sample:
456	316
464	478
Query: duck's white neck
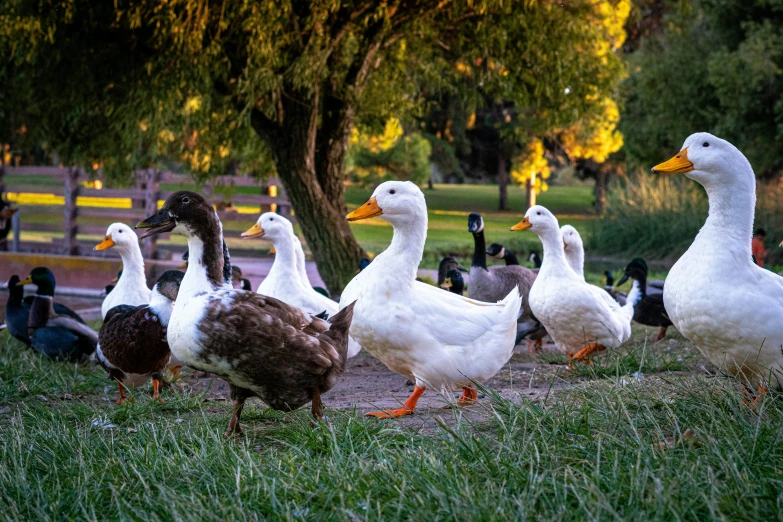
729	225
301	262
401	260
132	266
285	266
575	255
554	254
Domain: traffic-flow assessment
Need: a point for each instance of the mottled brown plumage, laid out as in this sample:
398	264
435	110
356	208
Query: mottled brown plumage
291	356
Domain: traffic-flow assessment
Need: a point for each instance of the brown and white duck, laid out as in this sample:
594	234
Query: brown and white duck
132	344
263	347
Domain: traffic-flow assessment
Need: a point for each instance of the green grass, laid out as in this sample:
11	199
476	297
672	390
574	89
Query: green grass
603	445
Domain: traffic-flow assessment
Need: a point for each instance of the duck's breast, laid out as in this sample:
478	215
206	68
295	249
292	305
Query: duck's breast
735	322
184	335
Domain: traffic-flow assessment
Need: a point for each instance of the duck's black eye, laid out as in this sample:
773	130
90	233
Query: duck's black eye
392	191
271	219
705	144
186	199
538	213
120	231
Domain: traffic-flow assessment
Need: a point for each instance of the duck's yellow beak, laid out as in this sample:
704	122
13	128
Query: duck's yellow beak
254	231
26	281
368	210
272	251
183	266
677	165
108	242
522	225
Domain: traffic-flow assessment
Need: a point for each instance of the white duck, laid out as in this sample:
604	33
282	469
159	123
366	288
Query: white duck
284	280
580	317
438	339
715	295
131	289
574	249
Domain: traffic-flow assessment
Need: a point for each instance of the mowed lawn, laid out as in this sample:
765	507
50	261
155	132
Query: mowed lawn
643	434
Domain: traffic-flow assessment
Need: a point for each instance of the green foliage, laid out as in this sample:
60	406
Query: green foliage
717	66
373	159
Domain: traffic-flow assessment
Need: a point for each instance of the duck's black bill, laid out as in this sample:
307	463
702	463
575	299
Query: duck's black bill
158	223
622	280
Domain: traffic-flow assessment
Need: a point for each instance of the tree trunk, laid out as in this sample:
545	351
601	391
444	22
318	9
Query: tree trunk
502	183
320	215
601	179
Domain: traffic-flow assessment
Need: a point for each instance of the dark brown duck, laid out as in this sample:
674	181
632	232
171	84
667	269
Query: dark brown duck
260	345
132	344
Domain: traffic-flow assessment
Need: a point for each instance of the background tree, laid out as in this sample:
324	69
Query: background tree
713	66
112	80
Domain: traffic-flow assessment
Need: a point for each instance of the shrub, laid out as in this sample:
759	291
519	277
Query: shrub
650	216
659	216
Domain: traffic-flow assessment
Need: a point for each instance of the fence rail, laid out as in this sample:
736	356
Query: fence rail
67	215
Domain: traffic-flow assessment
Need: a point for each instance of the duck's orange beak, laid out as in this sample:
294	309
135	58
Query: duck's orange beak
677	165
108	242
368	210
254	231
522	225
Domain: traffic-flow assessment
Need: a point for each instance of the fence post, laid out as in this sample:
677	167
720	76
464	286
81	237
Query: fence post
151	189
70	245
16	224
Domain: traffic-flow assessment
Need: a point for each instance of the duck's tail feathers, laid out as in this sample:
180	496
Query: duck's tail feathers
631	300
512	305
337	334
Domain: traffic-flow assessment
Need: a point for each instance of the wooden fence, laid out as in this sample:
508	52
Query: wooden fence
68	204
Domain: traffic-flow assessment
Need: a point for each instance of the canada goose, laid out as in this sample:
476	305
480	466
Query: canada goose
498	251
494	283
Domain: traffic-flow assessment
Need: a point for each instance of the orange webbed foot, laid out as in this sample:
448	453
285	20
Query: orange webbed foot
156	391
390	414
584	353
407	407
469	396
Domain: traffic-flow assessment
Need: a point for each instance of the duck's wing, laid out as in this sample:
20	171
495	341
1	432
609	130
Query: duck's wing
268	333
72	325
133	340
61	309
456	320
770	283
